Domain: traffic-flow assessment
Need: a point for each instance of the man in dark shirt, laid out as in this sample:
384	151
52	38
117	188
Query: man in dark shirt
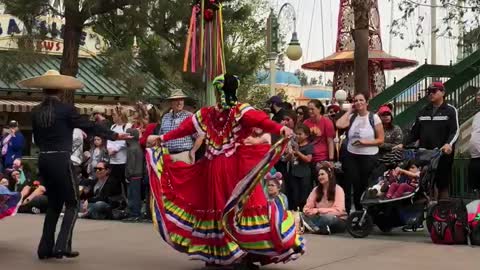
277	109
53	123
436	126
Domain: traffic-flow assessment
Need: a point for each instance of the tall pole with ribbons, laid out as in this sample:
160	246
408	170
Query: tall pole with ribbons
204	50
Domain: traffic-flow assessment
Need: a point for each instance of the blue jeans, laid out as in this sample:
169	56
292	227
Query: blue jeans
135	198
99	210
335	224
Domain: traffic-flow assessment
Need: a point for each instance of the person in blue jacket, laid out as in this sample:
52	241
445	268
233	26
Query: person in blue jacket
12	145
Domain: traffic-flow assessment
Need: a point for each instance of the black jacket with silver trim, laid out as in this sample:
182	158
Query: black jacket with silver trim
434	130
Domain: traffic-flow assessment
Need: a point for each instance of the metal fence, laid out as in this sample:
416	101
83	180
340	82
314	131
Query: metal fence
460	187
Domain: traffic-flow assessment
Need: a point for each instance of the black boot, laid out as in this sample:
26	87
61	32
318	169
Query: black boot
70	254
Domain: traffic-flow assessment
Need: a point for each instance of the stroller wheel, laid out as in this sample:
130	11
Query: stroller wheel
359	224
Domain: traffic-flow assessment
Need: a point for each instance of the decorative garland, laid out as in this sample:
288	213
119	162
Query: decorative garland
207	48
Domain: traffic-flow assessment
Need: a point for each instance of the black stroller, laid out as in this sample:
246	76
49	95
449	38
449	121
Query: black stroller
405	210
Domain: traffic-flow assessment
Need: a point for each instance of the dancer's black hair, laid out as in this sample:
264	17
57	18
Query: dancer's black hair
44	113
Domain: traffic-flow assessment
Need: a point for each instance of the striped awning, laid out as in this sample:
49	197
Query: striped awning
20	106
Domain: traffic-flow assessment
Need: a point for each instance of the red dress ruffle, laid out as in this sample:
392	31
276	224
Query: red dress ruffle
216	209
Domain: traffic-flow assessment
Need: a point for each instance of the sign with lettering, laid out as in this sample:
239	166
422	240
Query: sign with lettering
51	29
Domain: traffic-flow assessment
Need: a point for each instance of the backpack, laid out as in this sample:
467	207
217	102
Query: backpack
447	222
343	147
473	209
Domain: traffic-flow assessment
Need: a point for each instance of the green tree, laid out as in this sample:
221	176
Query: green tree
161	28
301	76
162	48
457	12
77	15
258	95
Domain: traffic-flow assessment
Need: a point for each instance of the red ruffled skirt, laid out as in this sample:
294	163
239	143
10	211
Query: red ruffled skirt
217	211
9	202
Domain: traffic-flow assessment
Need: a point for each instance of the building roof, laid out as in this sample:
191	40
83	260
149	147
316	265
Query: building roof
281	77
317	93
90	73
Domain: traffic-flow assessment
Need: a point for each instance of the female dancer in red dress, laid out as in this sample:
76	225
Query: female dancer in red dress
216	210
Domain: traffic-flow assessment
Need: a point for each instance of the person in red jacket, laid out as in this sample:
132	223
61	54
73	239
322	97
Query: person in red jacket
215	210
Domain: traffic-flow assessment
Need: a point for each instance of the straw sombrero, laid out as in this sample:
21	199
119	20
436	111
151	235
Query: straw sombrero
52	79
177	94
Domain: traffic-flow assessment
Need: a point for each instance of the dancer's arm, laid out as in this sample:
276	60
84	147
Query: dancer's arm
90	127
186	128
256	118
148	131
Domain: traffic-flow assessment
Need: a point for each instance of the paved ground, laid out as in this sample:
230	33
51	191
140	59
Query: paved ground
115	245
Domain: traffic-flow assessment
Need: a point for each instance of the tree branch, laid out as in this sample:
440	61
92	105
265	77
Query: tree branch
445	5
55	11
97	7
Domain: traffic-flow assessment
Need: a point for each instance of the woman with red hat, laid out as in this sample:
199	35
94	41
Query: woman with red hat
393	133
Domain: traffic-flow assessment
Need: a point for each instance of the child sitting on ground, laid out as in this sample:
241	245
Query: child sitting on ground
412	175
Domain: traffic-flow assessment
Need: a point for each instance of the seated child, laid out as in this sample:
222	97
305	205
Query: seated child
412	176
274	184
379	189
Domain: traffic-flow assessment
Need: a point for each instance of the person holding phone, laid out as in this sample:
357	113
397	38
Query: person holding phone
364	136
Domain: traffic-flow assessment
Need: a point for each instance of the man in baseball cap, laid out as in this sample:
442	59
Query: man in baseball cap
437	126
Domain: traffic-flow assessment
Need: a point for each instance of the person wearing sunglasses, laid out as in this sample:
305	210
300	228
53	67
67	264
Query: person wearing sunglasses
302	114
437	126
103	195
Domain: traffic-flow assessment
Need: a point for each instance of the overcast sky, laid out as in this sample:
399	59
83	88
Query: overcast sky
310	26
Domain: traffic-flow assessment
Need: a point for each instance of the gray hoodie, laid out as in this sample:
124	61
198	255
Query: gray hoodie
134	166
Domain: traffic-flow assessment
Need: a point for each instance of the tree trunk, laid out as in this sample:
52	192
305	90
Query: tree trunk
71	44
360	36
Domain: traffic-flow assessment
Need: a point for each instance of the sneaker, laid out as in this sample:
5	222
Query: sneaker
324	230
413	228
35	210
309	225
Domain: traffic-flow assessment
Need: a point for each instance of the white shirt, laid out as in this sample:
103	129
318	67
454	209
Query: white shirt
120	146
475	138
77	147
361	129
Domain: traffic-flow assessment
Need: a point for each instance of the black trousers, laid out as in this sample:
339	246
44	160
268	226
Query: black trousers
62	189
443	175
358	169
118	174
474	173
298	189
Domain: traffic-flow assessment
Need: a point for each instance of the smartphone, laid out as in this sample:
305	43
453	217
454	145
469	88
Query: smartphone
357	142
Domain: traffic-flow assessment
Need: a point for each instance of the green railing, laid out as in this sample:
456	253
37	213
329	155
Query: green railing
408	94
410	88
463	98
460	182
454	88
